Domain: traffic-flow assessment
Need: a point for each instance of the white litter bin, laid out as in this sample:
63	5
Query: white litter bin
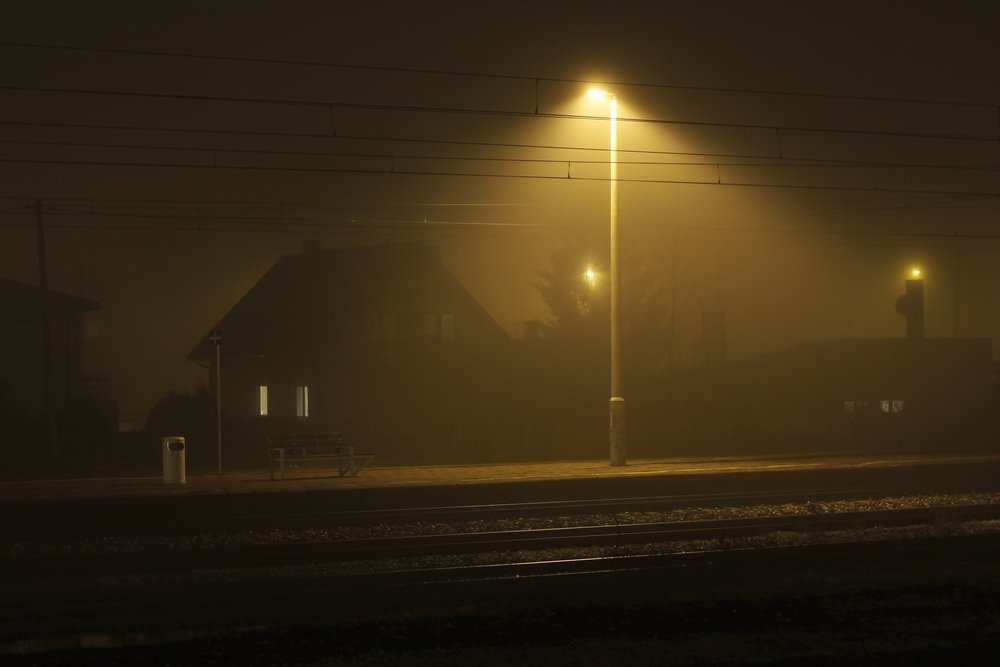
174	471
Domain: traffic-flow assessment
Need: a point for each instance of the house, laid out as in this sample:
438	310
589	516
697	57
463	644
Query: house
916	393
22	375
381	343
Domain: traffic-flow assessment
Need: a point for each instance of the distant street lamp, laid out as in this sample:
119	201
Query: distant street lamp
617	403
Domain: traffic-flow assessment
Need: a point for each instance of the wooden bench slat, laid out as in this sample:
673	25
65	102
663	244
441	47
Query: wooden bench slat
308	446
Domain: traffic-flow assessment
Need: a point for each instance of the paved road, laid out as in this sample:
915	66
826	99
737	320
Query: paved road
321	479
53	509
764	589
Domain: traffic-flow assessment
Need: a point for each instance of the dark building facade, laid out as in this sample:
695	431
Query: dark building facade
22	374
876	394
381	343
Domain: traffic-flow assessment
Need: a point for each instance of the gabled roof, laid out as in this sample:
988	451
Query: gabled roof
299	305
23	296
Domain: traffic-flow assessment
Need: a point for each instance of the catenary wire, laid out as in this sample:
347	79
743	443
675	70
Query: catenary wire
469	111
568	177
483	75
784	163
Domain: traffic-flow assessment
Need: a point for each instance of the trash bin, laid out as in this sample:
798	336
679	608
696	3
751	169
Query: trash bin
174	471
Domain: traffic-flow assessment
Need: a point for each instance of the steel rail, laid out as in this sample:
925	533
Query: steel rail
610	536
65	616
60	527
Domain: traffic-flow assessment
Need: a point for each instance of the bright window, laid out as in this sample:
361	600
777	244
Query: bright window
439	327
262	400
302	401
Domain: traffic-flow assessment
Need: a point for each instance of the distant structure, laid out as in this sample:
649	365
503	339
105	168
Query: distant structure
911	305
873	394
21	365
381	343
907	393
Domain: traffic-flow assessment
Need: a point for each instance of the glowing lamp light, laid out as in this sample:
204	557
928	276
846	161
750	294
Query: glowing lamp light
598	93
590	276
916	273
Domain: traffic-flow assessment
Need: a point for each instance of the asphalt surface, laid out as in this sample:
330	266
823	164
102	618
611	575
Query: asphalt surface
316	478
43	510
796	602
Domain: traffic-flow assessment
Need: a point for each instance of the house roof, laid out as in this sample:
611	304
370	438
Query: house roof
24	296
299	305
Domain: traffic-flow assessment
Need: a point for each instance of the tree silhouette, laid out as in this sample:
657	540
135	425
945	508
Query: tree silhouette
580	307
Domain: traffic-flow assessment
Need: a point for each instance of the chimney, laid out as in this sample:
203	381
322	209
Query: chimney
911	306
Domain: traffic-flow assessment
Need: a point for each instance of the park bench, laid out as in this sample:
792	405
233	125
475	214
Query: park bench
314	447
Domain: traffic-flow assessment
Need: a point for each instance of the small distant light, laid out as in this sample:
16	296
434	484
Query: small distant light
916	273
590	276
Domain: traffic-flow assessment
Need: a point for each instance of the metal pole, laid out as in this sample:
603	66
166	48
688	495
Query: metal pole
218	405
617	403
218	400
51	436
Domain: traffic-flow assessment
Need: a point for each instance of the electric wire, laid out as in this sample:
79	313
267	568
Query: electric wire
298	225
785	163
483	75
393	170
470	111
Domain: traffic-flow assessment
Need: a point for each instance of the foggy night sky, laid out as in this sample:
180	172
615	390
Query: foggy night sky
869	88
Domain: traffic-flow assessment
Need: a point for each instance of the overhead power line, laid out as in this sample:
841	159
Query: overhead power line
373	138
796	163
698	233
481	75
469	111
393	170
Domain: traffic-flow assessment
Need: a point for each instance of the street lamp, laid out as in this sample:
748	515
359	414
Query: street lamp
617	403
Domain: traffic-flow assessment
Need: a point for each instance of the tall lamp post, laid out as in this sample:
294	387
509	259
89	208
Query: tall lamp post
617	403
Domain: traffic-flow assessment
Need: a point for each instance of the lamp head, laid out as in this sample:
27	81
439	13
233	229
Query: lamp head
599	93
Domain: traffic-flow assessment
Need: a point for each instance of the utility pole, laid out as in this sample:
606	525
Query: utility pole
216	340
43	309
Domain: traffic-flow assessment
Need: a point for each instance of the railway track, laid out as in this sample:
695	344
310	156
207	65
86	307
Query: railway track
142	561
62	523
63	597
66	617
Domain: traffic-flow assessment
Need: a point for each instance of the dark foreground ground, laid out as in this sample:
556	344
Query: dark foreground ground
929	601
832	608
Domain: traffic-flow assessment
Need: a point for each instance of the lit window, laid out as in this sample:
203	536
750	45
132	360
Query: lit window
439	327
897	406
302	401
262	400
